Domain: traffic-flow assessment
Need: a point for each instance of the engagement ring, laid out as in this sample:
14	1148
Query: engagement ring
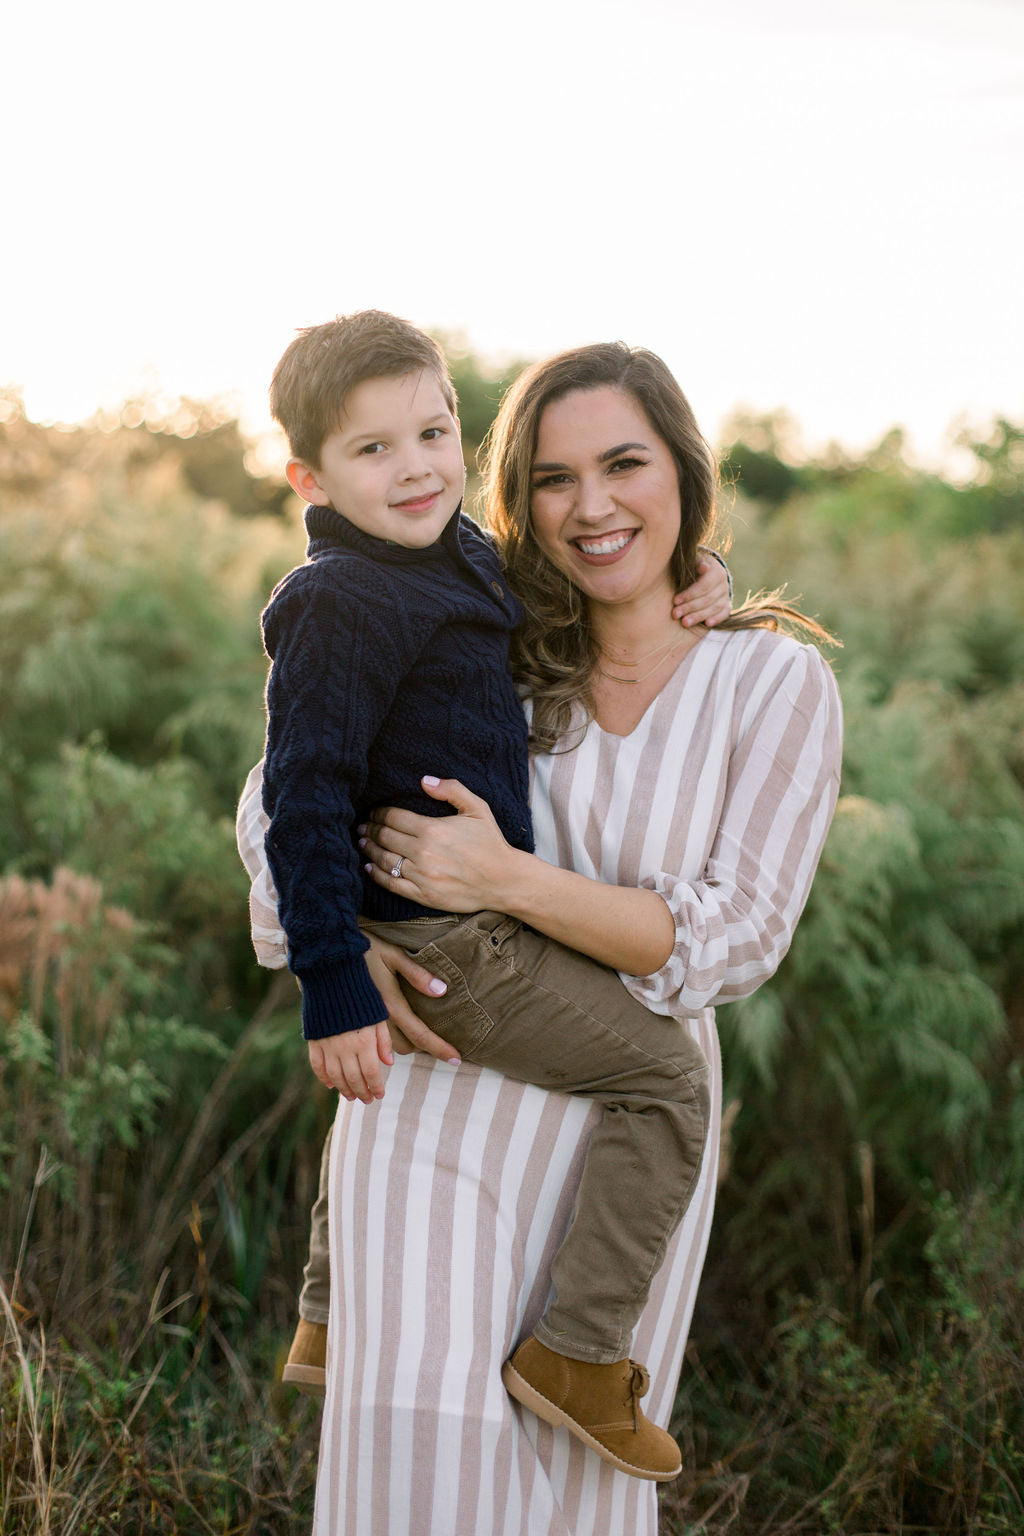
396	872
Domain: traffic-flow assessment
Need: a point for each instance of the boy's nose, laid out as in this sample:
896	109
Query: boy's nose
413	466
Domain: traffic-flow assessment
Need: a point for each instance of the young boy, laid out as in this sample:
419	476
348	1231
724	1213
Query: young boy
389	653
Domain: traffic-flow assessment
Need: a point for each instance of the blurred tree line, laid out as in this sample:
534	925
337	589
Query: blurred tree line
856	1358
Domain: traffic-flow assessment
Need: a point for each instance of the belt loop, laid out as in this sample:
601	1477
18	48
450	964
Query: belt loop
502	931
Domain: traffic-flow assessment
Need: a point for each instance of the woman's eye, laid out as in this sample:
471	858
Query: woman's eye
627	463
547	480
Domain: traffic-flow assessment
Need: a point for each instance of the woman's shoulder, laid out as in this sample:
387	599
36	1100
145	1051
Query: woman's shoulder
758	647
763	663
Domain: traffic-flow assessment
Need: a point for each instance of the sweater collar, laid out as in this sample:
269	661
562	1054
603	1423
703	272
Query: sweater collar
327	529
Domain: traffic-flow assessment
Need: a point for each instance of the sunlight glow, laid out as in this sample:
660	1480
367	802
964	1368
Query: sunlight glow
803	206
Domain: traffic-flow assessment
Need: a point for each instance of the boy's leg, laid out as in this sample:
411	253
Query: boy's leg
306	1366
315	1296
540	1012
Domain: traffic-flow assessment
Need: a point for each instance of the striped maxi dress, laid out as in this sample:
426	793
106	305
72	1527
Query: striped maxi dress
450	1195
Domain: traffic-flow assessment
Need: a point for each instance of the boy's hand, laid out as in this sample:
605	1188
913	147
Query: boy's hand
351	1062
708	600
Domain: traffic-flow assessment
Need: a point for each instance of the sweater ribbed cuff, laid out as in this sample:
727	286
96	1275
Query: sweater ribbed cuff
338	998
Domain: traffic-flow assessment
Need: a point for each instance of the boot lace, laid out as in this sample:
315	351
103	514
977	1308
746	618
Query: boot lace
639	1384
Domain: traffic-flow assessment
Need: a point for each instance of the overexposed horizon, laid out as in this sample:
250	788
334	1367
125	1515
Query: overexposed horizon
801	207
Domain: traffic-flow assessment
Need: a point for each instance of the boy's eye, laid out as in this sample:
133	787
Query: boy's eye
431	434
372	448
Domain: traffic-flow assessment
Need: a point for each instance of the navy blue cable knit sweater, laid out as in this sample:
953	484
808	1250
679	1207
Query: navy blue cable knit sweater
387	664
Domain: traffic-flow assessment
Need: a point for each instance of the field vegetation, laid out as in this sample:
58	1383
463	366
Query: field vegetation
856	1361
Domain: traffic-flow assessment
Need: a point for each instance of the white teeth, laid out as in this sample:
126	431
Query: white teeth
605	546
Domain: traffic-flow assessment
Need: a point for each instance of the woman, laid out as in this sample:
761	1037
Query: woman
683	786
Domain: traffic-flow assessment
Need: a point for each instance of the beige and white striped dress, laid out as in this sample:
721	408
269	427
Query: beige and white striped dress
449	1197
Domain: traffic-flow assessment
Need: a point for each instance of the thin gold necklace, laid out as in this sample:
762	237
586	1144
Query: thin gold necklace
669	648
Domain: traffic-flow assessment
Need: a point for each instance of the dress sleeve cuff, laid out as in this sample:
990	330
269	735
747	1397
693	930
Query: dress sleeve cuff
338	998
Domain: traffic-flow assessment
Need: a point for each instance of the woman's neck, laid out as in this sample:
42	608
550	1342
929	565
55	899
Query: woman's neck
640	650
631	631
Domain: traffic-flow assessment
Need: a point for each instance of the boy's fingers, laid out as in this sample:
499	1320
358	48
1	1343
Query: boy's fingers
322	1077
384	1052
370	1082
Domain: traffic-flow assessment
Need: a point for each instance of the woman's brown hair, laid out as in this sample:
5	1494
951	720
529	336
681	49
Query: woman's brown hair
554	651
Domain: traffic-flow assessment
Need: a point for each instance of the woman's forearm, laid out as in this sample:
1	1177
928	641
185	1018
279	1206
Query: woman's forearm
627	929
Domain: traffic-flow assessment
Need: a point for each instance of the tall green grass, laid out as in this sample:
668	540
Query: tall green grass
855	1363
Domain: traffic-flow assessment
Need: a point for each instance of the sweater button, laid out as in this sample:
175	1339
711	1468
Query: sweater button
497	587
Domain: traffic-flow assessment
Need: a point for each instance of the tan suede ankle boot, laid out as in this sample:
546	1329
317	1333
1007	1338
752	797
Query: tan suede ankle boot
306	1366
596	1403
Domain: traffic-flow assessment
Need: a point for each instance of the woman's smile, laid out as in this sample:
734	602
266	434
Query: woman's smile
605	496
607	547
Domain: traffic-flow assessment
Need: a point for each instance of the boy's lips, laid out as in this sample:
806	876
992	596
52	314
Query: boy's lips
605	548
416	503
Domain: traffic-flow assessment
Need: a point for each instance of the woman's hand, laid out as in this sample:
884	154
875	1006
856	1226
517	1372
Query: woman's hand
708	601
455	863
386	962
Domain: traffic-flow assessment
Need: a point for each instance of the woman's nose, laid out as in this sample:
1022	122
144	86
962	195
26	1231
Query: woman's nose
593	500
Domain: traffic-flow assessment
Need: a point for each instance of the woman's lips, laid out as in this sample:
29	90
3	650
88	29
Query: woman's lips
606	549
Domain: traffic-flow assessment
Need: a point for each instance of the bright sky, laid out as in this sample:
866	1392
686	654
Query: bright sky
813	204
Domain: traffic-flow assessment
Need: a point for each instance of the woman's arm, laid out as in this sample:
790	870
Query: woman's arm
466	866
680	943
735	924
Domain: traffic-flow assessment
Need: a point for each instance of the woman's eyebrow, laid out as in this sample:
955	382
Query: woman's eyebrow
613	453
610	453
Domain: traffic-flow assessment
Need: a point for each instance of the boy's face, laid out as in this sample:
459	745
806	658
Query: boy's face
393	466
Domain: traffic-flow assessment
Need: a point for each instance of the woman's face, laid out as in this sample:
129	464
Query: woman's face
604	497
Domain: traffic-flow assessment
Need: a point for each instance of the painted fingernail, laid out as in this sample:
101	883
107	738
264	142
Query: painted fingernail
362	842
361	828
437	986
368	868
454	1061
428	778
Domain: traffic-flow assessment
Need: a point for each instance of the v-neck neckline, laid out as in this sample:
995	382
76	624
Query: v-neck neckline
680	671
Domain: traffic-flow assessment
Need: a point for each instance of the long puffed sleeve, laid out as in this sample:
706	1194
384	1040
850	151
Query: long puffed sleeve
251	822
735	923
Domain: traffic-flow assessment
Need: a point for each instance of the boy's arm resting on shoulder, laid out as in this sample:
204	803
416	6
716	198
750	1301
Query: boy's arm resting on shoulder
709	599
335	668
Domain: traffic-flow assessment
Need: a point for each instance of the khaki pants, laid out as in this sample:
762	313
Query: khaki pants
534	1010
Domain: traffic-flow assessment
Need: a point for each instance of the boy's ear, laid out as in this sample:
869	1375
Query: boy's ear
305	484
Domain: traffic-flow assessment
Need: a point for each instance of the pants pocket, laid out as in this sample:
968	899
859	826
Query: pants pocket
457	1016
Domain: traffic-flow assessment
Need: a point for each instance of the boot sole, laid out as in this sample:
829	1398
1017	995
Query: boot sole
311	1379
518	1387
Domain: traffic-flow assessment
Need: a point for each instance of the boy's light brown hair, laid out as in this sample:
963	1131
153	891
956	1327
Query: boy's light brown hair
325	363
